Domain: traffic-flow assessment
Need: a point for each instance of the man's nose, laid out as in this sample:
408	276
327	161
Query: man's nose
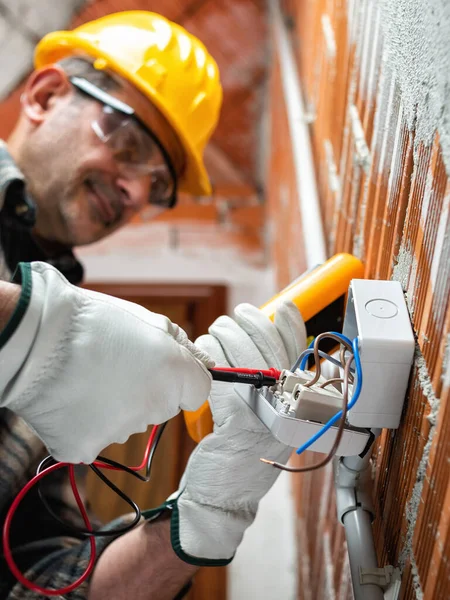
134	192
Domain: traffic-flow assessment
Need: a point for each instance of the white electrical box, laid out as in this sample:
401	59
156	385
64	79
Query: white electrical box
377	314
294	411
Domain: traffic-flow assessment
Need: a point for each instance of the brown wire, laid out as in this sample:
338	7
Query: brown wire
343	362
339	434
328	381
342	356
321	336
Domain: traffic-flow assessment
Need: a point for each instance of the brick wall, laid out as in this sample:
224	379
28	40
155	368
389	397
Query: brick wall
376	78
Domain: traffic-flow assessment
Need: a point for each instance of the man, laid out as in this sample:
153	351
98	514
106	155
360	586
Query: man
116	118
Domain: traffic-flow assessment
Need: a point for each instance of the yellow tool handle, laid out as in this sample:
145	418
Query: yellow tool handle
311	293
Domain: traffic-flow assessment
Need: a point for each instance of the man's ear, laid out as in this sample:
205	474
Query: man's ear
42	90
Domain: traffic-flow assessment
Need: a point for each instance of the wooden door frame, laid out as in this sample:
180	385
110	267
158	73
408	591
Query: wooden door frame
206	303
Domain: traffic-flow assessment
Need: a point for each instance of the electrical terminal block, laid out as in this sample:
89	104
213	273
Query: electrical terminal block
308	403
315	403
282	391
288	379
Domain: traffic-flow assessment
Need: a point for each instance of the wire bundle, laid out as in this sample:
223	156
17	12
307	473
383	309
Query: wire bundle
48	466
346	346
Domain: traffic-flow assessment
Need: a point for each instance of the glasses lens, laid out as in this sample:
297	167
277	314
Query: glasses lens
137	153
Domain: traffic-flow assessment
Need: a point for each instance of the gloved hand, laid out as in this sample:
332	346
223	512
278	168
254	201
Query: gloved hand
224	479
84	369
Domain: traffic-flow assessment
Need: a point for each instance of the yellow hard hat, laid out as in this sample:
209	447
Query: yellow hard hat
165	62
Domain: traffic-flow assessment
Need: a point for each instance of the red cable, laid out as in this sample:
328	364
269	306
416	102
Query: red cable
78	499
148	448
7	526
151	439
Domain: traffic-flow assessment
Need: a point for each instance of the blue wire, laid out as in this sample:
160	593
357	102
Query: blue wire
302	359
351	404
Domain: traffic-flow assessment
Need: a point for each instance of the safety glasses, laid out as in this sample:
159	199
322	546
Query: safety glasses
137	151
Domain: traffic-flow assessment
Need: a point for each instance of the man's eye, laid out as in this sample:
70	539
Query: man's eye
127	155
160	184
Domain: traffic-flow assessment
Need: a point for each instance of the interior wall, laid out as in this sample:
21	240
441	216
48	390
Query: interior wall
147	254
22	24
375	77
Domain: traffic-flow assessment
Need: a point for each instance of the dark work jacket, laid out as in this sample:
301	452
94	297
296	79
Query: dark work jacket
17	218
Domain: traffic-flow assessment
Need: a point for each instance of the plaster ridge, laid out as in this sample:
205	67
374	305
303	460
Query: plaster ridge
424	377
345	580
305	560
383	87
445	376
329	567
413	505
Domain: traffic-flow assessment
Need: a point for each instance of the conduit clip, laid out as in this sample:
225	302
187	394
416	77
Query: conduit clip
388	578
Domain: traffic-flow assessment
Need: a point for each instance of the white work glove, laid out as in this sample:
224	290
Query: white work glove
225	479
84	369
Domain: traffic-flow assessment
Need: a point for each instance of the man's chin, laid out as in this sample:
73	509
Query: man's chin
85	237
85	232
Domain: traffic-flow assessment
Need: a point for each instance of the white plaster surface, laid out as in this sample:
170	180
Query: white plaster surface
41	16
16	52
417	37
413	505
265	566
245	283
22	24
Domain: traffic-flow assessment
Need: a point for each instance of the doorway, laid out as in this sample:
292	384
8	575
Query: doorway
194	308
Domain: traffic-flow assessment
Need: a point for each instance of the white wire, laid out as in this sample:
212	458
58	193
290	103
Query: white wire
333	360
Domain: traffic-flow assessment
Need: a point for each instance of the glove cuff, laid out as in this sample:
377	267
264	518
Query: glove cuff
171	505
175	538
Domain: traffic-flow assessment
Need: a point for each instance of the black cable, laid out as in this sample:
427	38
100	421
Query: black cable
153	450
122	495
44	501
120	466
148	467
87	532
110	484
43	465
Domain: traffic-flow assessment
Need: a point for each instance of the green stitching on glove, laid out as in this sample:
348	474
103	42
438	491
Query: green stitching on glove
176	545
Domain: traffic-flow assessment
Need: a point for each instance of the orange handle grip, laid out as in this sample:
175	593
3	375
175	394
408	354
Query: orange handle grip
311	293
